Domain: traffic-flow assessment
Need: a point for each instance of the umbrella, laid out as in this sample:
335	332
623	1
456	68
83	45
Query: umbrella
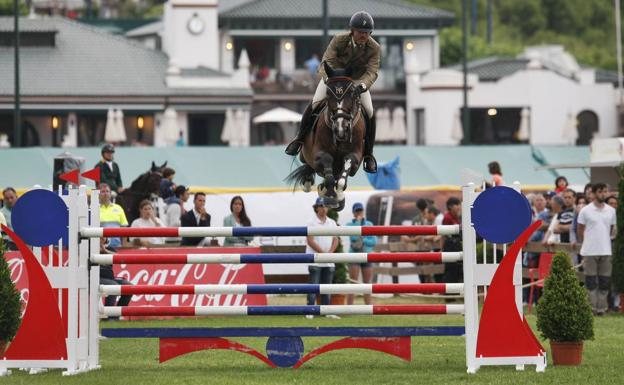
570	131
457	132
278	115
382	117
115	131
397	128
226	133
241	129
170	126
523	130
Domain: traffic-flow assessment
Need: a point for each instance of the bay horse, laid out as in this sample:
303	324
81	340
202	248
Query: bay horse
145	186
333	148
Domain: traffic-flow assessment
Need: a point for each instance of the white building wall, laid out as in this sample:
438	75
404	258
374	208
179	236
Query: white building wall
549	96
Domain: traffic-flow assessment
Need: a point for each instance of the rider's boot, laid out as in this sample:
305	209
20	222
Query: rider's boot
369	161
294	147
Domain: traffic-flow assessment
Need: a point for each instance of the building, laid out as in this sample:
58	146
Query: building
75	79
542	97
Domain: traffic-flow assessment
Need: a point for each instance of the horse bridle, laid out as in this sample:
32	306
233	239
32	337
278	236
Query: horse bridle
339	94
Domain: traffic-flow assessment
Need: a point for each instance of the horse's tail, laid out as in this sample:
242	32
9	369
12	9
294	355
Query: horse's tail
300	175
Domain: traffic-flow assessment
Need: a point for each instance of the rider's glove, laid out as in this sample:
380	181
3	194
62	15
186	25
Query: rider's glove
360	88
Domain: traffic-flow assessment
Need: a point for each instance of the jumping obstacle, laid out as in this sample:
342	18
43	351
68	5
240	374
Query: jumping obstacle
486	342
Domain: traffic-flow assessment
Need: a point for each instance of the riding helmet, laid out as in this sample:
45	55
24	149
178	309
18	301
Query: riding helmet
108	148
362	21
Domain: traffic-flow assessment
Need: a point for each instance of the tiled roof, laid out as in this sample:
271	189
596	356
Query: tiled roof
313	8
89	61
494	68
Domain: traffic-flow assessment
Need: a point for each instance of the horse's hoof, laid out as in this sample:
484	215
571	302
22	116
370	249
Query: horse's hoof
307	187
331	202
321	191
341	205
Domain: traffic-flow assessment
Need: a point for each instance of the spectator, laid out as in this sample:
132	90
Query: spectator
111	214
167	187
566	216
9	196
175	206
198	217
320	273
556	207
589	193
453	270
561	184
147	219
237	218
312	65
109	170
540	213
497	175
596	229
419	219
2	219
612	201
361	245
433	216
107	277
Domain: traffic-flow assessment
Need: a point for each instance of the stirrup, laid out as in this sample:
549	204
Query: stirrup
293	147
370	164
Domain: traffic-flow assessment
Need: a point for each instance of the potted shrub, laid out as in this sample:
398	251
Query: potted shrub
11	306
618	250
564	315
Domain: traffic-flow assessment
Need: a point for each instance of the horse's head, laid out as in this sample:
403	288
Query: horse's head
342	102
154	177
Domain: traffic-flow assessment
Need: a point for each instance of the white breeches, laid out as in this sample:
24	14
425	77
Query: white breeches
365	98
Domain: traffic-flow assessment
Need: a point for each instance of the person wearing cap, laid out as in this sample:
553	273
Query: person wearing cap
320	273
109	169
361	245
175	206
358	51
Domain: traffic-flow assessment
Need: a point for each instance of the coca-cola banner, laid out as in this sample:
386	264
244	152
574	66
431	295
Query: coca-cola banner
204	274
156	274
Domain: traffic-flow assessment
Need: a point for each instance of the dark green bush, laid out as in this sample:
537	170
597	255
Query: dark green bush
10	305
563	312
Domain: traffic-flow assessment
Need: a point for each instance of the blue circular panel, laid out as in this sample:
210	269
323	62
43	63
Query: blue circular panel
40	218
501	214
284	351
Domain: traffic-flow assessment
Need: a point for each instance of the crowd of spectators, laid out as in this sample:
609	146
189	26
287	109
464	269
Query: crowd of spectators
584	220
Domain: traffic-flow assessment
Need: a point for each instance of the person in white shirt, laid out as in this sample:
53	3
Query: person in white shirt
596	229
147	219
320	273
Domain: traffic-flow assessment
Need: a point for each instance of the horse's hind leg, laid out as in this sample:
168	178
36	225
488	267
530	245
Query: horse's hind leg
323	165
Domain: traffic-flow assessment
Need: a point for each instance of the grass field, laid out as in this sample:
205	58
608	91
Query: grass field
435	360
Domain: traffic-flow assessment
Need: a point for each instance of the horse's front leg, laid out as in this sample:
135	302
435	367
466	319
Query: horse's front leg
350	163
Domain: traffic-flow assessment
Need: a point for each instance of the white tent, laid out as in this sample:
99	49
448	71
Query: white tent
278	115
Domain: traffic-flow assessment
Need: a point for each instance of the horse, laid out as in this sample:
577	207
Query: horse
145	186
333	148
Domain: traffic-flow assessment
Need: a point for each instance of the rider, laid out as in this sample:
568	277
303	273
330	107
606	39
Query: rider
360	52
109	169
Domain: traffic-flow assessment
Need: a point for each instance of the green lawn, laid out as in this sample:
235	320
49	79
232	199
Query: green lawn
435	360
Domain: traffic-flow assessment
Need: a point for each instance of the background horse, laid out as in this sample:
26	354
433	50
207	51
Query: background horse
333	148
146	186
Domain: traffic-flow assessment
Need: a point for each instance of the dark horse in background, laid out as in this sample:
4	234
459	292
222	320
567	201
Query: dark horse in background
146	186
333	148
